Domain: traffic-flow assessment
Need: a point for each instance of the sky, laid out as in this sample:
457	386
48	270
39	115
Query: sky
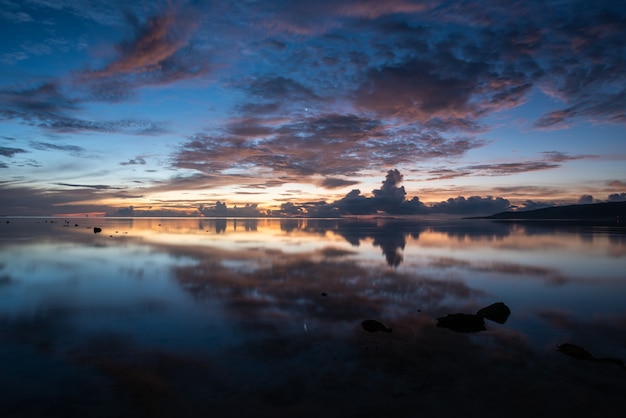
330	107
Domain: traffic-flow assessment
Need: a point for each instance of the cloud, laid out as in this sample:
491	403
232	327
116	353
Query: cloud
32	201
329	144
42	100
550	160
10	152
390	199
46	146
20	17
511	168
586	66
160	52
558	156
602	108
279	89
472	205
90	186
532	204
617	197
334	183
134	161
390	189
49	107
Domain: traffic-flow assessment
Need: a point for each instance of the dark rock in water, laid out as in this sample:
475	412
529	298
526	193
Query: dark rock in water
462	322
374	326
497	312
96	230
575	351
580	353
324	294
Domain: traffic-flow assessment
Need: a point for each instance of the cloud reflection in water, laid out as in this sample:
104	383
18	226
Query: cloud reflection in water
161	317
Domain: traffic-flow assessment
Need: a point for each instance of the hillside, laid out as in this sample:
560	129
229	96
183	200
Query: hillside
610	211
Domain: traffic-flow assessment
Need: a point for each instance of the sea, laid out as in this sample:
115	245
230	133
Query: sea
261	317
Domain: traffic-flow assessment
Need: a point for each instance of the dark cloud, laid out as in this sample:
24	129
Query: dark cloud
279	89
532	205
511	168
390	199
617	197
49	107
328	144
558	157
89	186
390	189
126	126
10	152
44	99
161	52
472	205
33	201
501	169
46	146
447	173
334	183
134	161
585	199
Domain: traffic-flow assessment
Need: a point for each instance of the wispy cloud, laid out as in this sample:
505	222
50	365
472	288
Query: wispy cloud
47	146
134	161
48	107
551	160
160	52
89	186
10	152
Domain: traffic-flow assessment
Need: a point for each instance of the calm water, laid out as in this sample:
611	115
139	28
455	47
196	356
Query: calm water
247	317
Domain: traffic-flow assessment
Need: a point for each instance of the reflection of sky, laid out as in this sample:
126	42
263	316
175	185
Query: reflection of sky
252	298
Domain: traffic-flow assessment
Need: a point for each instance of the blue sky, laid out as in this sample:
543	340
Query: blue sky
168	105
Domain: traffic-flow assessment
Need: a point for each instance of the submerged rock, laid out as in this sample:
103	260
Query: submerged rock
462	322
372	325
497	312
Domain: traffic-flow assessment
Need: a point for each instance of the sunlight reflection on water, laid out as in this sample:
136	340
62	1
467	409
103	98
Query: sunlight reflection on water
270	310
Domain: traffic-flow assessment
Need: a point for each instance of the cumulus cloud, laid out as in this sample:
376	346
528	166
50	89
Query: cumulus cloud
472	205
390	199
617	197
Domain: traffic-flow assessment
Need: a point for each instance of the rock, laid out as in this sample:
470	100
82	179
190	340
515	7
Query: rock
580	353
497	312
575	351
372	325
462	322
96	230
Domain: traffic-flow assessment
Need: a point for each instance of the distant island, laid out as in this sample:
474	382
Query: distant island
613	212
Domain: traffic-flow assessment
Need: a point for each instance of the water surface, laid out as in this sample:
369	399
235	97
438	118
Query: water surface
262	317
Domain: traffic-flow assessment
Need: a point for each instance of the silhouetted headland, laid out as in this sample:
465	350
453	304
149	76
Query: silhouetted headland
609	212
